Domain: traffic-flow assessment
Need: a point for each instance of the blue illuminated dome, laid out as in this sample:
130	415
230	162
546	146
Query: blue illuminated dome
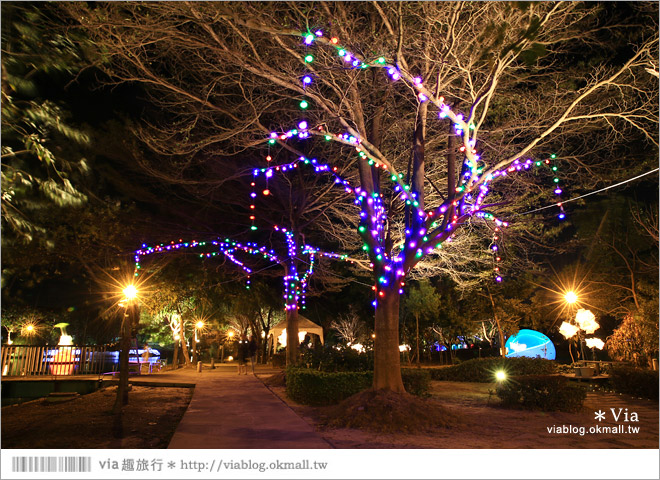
530	343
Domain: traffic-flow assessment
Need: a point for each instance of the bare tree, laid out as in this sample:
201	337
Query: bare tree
350	327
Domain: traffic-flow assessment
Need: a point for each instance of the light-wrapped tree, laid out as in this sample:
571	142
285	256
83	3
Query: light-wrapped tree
510	83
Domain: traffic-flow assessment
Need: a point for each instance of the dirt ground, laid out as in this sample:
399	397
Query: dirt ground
148	421
488	425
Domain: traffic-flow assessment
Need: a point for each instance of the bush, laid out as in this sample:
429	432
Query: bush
548	393
635	381
483	369
311	387
417	381
336	358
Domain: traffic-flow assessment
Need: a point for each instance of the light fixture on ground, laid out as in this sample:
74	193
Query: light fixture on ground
500	375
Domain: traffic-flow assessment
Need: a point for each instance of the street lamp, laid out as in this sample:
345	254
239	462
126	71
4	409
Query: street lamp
570	297
130	292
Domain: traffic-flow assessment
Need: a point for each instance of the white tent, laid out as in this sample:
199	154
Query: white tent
305	327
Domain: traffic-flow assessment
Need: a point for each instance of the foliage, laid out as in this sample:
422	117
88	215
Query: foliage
635	381
41	161
417	381
337	358
636	339
312	387
484	369
548	393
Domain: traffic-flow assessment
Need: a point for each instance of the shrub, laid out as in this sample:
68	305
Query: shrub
417	381
483	369
337	358
311	387
635	381
548	393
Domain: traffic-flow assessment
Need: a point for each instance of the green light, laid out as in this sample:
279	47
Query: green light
361	228
341	52
425	238
471	126
418	254
365	247
309	59
406	187
379	257
382	279
553	156
439	245
394	178
253	227
309	38
327	138
554	169
304	104
271	141
556	180
538	164
381	59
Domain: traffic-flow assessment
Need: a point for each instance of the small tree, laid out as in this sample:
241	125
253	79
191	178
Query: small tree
422	301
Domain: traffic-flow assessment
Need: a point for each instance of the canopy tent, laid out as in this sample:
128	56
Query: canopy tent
305	327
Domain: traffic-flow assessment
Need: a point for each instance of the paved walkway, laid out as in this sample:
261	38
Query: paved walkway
232	411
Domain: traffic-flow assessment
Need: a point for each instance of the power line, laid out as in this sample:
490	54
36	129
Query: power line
590	193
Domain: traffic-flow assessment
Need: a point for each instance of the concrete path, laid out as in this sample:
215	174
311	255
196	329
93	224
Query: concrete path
232	411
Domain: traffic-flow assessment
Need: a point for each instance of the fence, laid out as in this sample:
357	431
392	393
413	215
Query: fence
29	360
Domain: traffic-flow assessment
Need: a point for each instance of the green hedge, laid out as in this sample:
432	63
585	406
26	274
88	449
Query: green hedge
483	369
312	387
548	393
635	381
417	381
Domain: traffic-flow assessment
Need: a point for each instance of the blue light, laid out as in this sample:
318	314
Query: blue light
530	343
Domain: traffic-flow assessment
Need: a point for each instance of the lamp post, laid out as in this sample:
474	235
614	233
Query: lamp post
198	327
127	324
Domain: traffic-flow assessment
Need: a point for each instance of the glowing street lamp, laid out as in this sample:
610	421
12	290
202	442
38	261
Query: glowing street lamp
130	292
500	375
570	297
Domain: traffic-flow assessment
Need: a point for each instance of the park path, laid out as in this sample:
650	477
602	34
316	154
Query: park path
228	410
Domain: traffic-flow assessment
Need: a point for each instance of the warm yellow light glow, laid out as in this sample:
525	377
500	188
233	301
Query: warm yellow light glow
230	358
130	292
373	335
587	321
595	342
230	334
403	348
570	297
29	328
199	324
500	375
568	330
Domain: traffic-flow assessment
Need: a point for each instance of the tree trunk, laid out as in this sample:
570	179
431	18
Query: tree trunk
499	327
292	340
184	347
417	338
122	388
175	360
387	364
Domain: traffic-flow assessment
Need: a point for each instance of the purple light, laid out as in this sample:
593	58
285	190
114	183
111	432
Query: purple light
269	173
302	125
307	80
498	279
558	191
562	216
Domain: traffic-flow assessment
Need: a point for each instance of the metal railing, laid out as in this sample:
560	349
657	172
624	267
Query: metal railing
32	360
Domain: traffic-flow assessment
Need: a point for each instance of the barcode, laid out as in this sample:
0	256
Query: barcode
51	464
